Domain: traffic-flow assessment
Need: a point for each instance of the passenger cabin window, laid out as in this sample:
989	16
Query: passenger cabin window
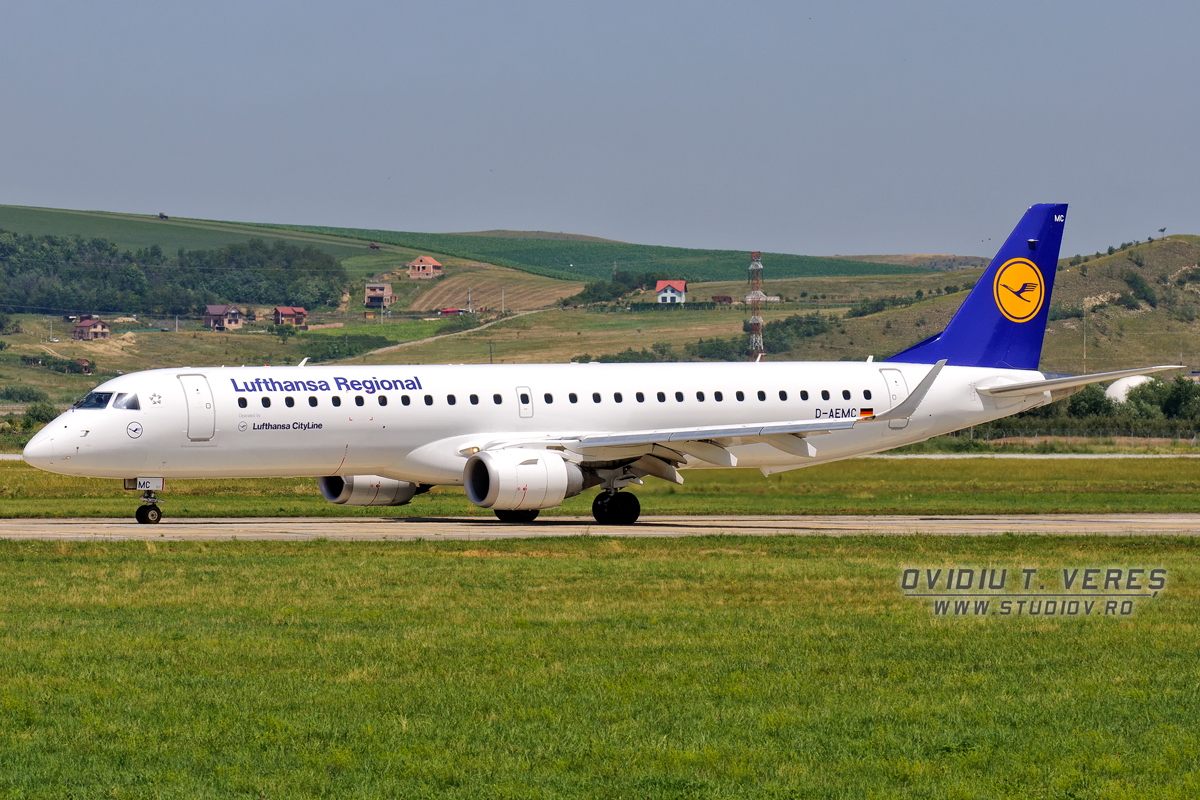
404	399
679	397
524	399
549	398
337	401
358	400
700	396
641	398
845	394
762	395
824	394
266	402
662	397
241	402
718	396
866	394
312	401
474	399
574	398
497	399
617	398
383	399
95	400
127	401
595	397
289	402
740	396
428	399
451	399
782	394
803	394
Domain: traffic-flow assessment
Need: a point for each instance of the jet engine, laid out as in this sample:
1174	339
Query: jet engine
520	479
366	490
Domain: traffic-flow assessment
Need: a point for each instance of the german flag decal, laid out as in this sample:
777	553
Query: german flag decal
866	413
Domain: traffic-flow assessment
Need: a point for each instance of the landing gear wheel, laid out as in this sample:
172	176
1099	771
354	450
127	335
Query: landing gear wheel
148	515
516	515
616	508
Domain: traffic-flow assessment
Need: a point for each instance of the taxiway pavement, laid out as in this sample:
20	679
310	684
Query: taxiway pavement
471	528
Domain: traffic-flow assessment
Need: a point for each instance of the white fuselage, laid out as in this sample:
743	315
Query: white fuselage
416	423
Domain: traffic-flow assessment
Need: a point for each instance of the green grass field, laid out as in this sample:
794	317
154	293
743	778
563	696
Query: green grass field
594	260
588	667
861	486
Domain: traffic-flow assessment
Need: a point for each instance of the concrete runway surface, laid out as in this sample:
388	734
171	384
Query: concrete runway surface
470	529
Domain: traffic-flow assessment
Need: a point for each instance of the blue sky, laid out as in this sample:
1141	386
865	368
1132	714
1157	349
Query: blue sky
800	127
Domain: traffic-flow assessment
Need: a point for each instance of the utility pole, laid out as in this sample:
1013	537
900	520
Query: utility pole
469	309
502	301
755	299
490	359
177	323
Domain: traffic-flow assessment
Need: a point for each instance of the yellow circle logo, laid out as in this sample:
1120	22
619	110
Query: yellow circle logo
1019	289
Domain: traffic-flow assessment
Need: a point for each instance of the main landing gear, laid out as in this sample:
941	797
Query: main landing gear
148	513
616	508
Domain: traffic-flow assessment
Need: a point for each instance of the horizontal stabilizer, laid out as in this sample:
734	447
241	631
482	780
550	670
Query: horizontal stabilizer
1069	382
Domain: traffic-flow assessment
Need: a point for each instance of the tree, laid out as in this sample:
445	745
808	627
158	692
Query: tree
39	414
284	332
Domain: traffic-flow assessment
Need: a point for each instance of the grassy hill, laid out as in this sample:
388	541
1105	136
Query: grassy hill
136	231
574	259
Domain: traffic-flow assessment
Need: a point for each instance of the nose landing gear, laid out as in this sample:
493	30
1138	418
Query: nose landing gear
148	513
616	508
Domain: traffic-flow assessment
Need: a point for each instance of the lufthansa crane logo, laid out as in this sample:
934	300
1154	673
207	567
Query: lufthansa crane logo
1019	289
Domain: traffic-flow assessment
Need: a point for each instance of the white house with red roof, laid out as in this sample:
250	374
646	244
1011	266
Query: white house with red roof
671	291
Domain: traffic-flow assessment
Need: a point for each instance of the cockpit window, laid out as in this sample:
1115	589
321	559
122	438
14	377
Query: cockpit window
95	400
128	401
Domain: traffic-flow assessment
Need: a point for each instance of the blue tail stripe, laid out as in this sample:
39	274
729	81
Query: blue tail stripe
1003	320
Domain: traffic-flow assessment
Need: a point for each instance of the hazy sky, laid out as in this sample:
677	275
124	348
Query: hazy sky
799	127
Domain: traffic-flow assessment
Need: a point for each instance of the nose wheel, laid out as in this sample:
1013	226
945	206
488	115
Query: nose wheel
148	512
616	508
148	515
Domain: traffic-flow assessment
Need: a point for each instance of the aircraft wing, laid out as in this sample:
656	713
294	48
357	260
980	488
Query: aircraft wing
1068	382
666	436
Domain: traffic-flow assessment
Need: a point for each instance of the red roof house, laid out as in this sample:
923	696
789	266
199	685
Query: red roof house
290	315
671	291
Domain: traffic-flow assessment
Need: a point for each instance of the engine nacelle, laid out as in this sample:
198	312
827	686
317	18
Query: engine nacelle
520	479
366	490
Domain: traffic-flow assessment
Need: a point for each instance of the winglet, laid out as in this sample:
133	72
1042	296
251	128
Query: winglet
909	406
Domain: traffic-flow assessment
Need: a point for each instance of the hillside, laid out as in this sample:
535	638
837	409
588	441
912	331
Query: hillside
137	231
595	260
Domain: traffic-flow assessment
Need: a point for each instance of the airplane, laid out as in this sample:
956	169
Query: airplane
522	438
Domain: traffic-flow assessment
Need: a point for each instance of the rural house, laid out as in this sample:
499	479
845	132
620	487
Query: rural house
222	318
379	295
424	267
90	329
290	315
671	291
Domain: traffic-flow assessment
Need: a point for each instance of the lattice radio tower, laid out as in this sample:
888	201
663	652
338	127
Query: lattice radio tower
755	299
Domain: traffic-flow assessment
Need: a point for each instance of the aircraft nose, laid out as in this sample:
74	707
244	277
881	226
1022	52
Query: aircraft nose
40	450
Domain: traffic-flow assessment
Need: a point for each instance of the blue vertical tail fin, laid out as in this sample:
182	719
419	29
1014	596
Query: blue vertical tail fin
1003	320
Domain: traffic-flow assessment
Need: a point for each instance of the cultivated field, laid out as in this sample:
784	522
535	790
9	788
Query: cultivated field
860	486
594	667
521	290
